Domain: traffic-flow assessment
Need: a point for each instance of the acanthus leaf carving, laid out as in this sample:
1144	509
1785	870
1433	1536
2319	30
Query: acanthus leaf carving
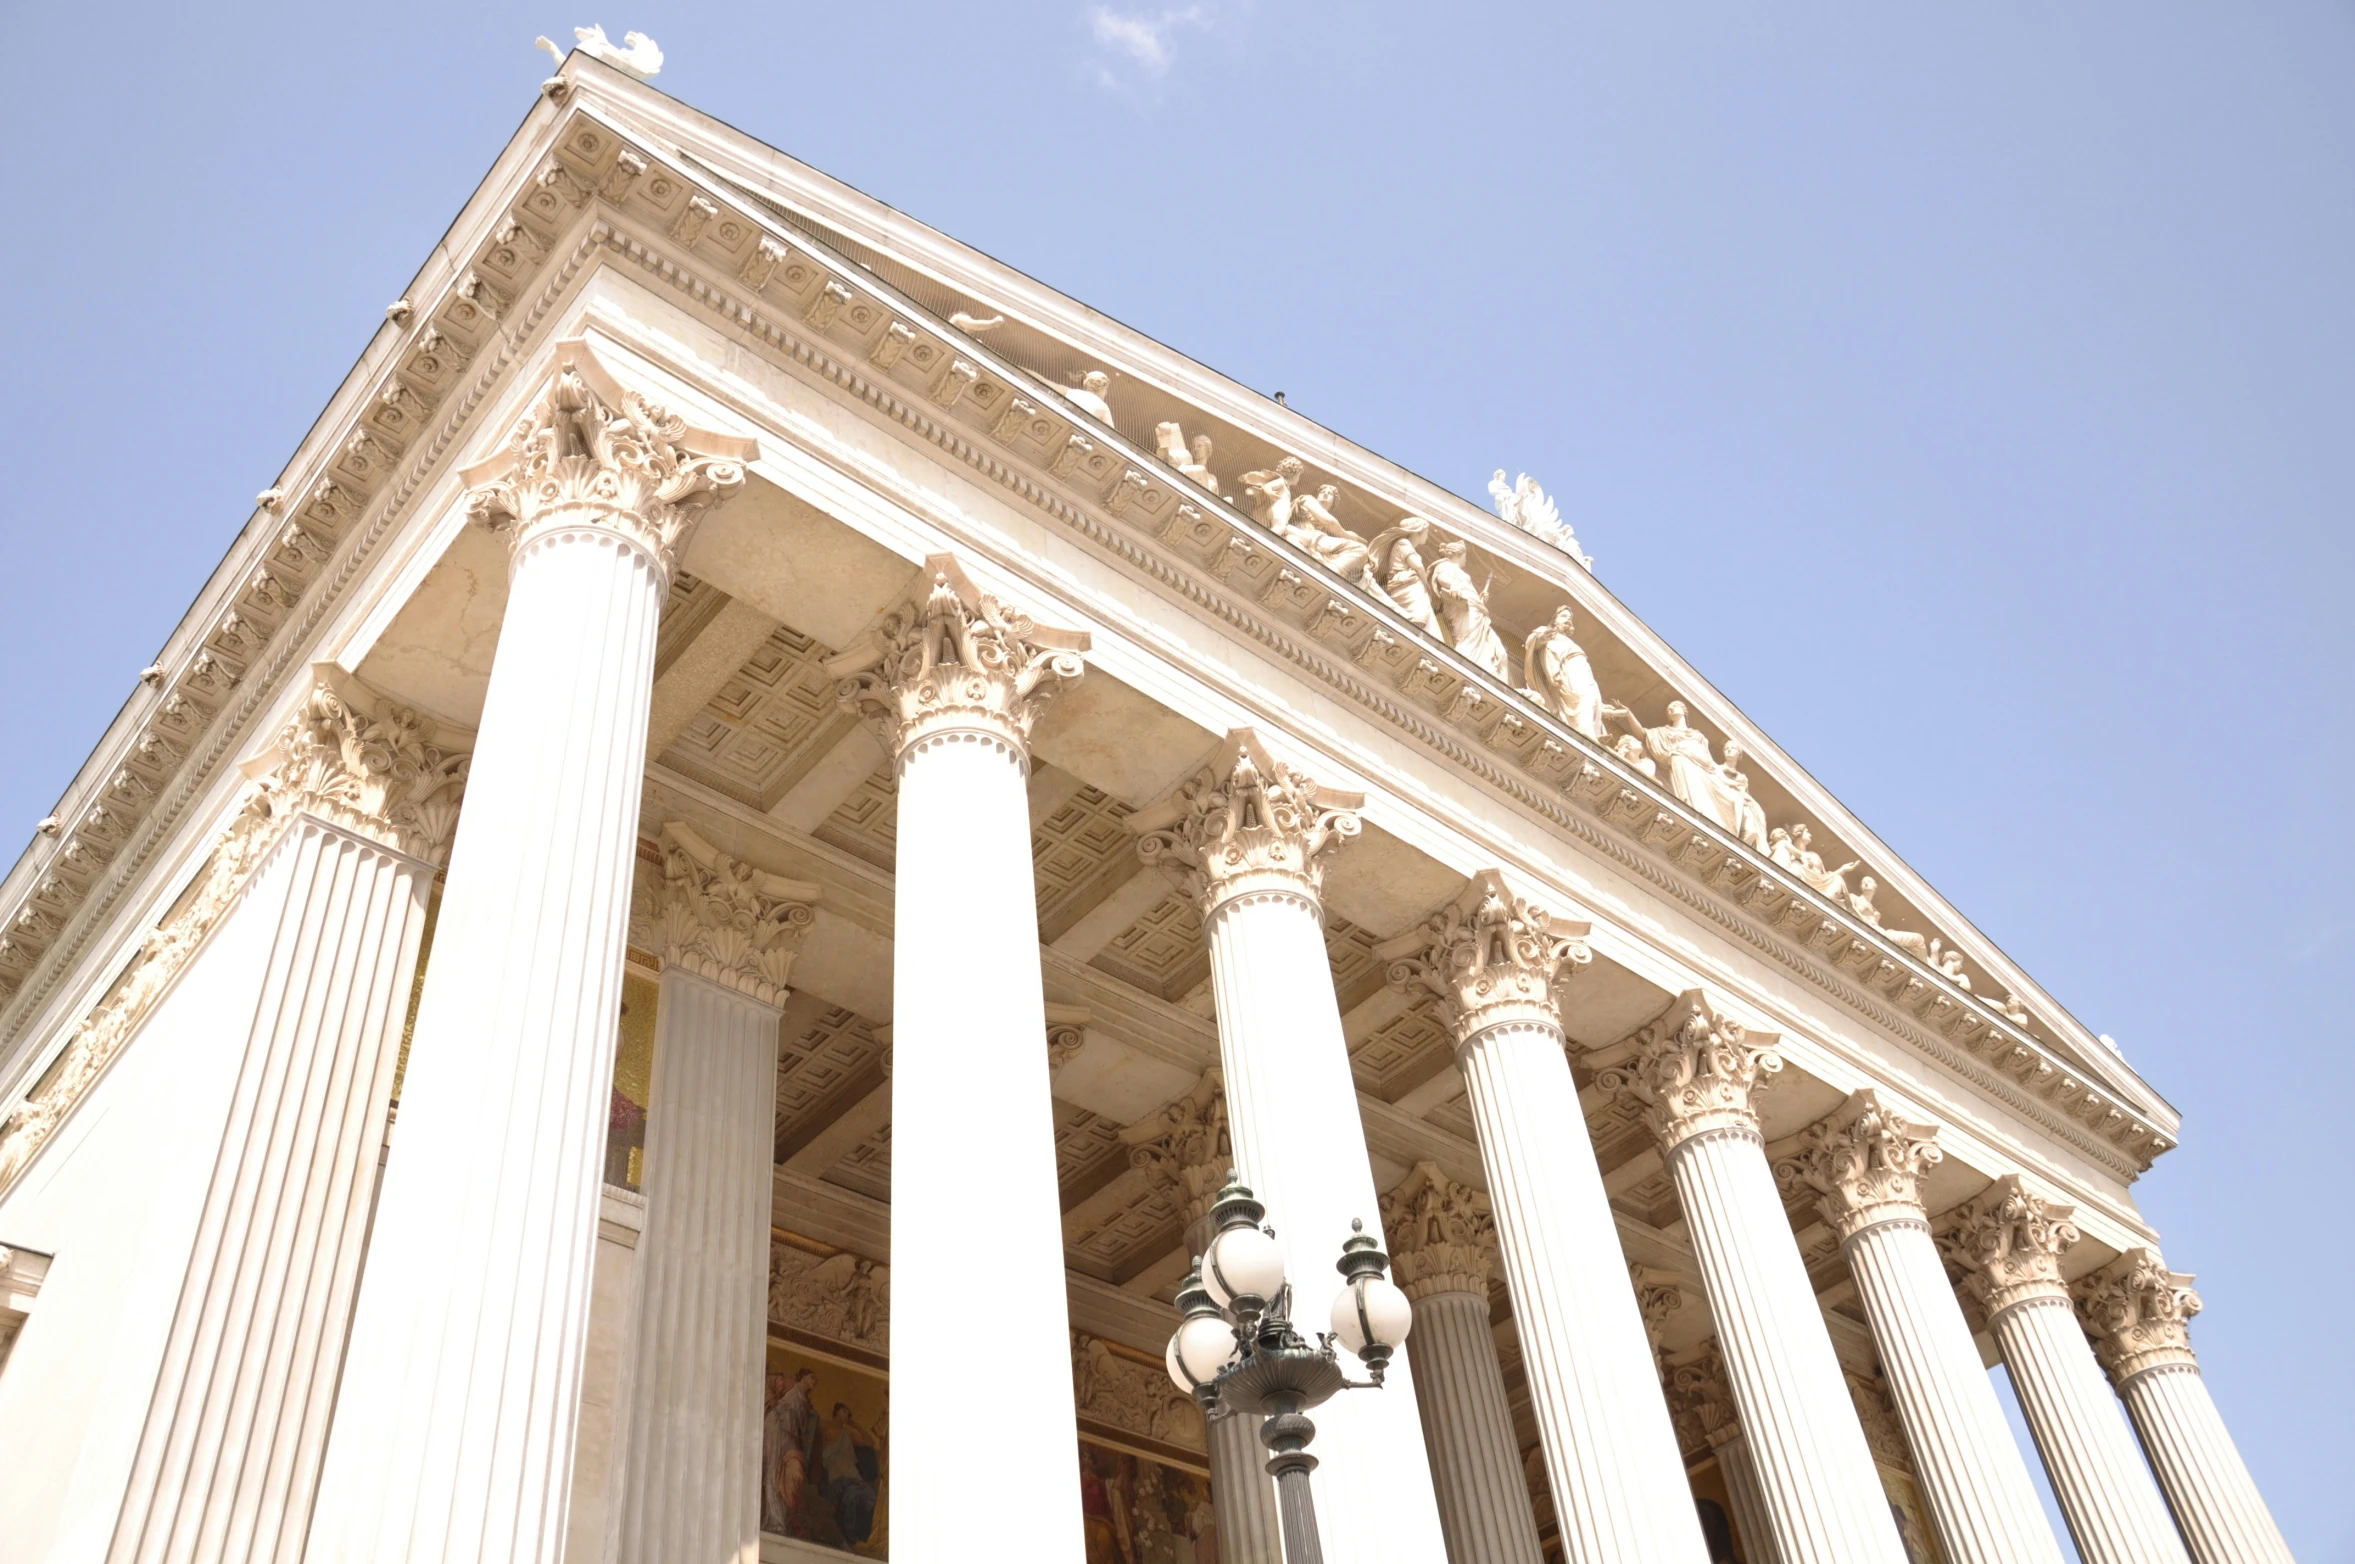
1184	1149
1493	958
374	769
1246	822
1442	1235
1867	1163
2139	1315
956	659
725	920
1694	1070
2007	1245
1700	1402
592	453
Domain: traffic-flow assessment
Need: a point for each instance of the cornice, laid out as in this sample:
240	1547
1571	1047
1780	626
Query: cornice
595	189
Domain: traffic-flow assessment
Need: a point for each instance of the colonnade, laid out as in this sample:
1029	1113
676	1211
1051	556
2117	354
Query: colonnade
453	1431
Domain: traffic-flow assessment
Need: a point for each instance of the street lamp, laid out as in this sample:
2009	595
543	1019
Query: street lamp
1236	1351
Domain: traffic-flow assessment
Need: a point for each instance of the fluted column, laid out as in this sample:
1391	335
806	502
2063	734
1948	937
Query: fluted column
687	1466
2008	1243
1248	835
2138	1313
1495	961
1696	1073
454	1425
1867	1162
952	682
1440	1237
1184	1149
349	806
1703	1409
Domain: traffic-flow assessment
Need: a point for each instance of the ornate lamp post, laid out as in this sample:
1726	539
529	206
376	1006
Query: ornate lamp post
1236	1351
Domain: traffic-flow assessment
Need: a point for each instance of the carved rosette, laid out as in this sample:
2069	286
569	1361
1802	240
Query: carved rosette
1183	1149
956	660
2007	1245
1491	957
1867	1162
1442	1236
2139	1315
724	920
1246	824
1700	1403
377	775
1695	1072
591	454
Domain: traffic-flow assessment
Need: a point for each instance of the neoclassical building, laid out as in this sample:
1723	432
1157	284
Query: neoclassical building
669	964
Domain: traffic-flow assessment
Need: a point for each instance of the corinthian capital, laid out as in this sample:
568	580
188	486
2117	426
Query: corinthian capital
2008	1245
1246	823
1695	1071
1491	957
1867	1162
592	454
1183	1148
2138	1313
724	920
1441	1234
369	766
953	659
1700	1403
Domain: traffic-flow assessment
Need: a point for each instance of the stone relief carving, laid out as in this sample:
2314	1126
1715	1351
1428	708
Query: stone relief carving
592	453
1749	816
1700	1403
376	776
1184	1150
1138	1397
1463	610
1246	822
954	659
1867	1163
1442	1235
1400	574
724	920
1560	678
1529	507
2138	1313
1694	1071
841	1296
1683	752
1305	521
2007	1245
1884	1434
1091	396
1490	956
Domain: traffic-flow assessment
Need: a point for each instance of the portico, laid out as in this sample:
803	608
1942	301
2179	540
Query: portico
893	839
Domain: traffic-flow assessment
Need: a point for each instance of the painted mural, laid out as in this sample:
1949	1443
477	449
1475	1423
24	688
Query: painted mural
1140	1511
825	1453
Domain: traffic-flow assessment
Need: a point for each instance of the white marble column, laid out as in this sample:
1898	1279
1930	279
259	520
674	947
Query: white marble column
2008	1244
953	681
1619	1487
687	1466
1867	1162
2138	1314
1248	835
1440	1238
349	807
1185	1150
454	1424
1703	1409
1696	1071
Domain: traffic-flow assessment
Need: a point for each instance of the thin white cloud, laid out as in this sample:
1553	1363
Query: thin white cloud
1144	43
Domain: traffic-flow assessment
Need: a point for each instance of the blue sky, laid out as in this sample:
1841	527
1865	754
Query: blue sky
1967	391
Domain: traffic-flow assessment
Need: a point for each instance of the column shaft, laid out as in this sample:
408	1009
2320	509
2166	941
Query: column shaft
1977	1487
2105	1492
228	1460
2216	1503
1821	1490
688	1467
969	1080
1468	1429
1298	1138
1618	1484
1243	1495
1739	1468
454	1425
